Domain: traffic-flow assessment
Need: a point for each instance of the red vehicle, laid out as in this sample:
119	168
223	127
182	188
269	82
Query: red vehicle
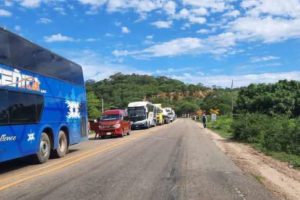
112	123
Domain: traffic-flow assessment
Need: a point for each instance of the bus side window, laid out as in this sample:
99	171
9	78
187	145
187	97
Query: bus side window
19	57
3	107
4	49
24	107
21	108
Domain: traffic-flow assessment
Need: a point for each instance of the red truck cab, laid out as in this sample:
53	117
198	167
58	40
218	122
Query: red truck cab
112	123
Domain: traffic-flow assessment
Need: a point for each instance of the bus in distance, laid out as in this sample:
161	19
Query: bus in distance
142	114
42	101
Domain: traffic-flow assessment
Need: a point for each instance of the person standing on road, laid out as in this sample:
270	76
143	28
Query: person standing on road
204	119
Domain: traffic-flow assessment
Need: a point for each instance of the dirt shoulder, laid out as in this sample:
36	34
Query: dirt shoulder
277	176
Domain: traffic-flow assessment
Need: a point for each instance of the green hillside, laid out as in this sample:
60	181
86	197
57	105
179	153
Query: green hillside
119	89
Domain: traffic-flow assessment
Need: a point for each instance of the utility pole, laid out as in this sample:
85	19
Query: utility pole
102	103
232	98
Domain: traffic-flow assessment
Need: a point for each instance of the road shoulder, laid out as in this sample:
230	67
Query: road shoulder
283	181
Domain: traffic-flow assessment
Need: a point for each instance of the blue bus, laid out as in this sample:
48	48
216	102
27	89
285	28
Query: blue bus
42	101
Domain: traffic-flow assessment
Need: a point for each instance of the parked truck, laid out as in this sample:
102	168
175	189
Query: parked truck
169	115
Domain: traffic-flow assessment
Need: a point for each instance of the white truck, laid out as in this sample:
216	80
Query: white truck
169	114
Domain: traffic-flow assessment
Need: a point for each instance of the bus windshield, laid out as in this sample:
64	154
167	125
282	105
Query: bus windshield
137	113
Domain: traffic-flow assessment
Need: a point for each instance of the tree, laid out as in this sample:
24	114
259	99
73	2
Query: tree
219	99
120	89
93	105
184	107
271	99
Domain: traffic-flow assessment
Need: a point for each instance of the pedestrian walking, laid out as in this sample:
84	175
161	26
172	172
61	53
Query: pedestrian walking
204	119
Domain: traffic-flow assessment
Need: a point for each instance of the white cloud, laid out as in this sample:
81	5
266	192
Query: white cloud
217	45
268	21
119	53
214	5
239	80
5	13
162	24
60	10
44	21
203	31
255	21
93	3
125	30
170	7
184	13
139	6
143	7
91	39
171	71
266	29
227	39
263	59
149	40
174	47
149	37
290	8
17	28
58	38
179	46
197	20
8	3
200	11
191	10
30	3
108	35
95	67
191	16
233	13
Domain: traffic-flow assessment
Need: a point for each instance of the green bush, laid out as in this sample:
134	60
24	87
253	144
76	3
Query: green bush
222	126
277	133
281	98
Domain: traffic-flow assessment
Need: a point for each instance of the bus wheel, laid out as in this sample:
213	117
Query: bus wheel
45	148
62	147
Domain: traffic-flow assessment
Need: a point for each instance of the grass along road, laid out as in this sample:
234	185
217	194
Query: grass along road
277	176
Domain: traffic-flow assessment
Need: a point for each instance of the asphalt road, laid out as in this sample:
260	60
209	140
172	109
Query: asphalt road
175	161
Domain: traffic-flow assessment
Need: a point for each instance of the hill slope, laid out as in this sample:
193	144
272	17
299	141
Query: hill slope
119	89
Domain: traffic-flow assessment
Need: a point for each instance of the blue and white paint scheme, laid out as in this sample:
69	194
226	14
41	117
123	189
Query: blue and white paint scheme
58	111
63	106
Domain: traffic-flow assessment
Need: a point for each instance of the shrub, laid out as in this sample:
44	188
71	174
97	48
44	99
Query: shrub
249	127
222	126
277	133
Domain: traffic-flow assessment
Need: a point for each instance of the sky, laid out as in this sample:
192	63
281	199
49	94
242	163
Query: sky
196	41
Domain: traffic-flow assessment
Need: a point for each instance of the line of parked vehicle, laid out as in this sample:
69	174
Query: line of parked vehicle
141	114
